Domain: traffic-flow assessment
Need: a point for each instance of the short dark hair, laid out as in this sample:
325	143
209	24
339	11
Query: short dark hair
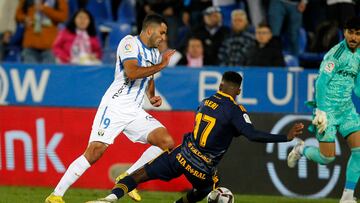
194	38
263	24
353	23
233	77
153	18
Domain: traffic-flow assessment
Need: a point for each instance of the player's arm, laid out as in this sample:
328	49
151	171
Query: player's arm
134	71
150	93
357	86
242	123
327	70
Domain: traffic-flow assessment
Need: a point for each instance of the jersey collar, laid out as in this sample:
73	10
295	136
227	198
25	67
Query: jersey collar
142	43
226	95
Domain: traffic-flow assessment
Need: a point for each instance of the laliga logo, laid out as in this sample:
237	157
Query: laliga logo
4	86
323	172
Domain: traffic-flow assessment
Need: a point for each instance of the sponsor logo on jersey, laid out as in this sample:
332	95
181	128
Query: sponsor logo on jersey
128	48
329	67
149	118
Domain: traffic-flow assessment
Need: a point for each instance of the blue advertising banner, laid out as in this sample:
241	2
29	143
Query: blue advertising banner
263	90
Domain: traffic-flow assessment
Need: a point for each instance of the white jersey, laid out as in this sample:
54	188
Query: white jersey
129	94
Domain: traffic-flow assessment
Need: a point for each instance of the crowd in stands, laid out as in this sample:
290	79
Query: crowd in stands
271	33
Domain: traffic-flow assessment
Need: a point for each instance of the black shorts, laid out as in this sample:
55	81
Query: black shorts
170	165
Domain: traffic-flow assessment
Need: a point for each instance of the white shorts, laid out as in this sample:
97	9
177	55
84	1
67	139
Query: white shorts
109	123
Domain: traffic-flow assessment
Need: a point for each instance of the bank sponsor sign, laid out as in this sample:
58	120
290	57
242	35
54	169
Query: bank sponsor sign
37	144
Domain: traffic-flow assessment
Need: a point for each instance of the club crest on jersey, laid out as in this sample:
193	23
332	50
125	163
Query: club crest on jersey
246	118
329	66
101	132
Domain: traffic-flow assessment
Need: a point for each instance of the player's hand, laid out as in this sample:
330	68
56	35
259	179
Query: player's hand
296	130
166	57
156	101
320	120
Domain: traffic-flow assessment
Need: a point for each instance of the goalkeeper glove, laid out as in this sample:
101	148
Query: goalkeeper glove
320	120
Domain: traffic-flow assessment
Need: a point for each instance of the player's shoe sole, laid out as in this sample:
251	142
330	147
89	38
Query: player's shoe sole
101	201
348	201
294	155
54	199
134	194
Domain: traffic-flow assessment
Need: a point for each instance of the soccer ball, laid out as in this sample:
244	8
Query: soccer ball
220	195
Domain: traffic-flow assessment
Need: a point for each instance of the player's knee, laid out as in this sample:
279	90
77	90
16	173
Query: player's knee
161	138
94	151
167	143
326	159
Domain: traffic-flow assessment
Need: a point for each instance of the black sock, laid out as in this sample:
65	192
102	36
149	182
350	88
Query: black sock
124	186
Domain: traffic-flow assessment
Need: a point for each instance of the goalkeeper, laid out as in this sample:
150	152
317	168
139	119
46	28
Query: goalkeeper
335	112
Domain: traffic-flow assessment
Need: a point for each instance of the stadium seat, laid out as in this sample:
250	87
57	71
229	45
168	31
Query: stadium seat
302	40
101	10
73	7
13	50
126	12
291	60
117	32
109	56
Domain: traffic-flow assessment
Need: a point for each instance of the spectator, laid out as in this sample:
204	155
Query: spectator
267	51
338	11
170	10
7	23
193	11
289	11
41	19
233	50
194	55
212	33
226	8
78	43
175	58
256	11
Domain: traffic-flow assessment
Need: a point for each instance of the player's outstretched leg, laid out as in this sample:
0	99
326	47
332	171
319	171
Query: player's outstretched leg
311	153
295	154
352	176
75	170
123	186
147	156
161	140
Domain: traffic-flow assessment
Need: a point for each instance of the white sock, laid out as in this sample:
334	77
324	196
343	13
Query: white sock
75	170
347	194
149	154
111	197
301	149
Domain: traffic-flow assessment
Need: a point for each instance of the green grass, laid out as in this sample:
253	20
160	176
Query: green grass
38	195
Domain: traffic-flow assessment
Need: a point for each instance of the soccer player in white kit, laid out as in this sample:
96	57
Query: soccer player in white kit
120	110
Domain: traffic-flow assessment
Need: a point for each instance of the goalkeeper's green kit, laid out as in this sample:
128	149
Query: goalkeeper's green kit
338	77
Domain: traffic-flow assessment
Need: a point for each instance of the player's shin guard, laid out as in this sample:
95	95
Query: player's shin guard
148	155
353	169
313	153
124	186
75	170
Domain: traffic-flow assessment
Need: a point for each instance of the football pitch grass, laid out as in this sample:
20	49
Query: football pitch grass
38	194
